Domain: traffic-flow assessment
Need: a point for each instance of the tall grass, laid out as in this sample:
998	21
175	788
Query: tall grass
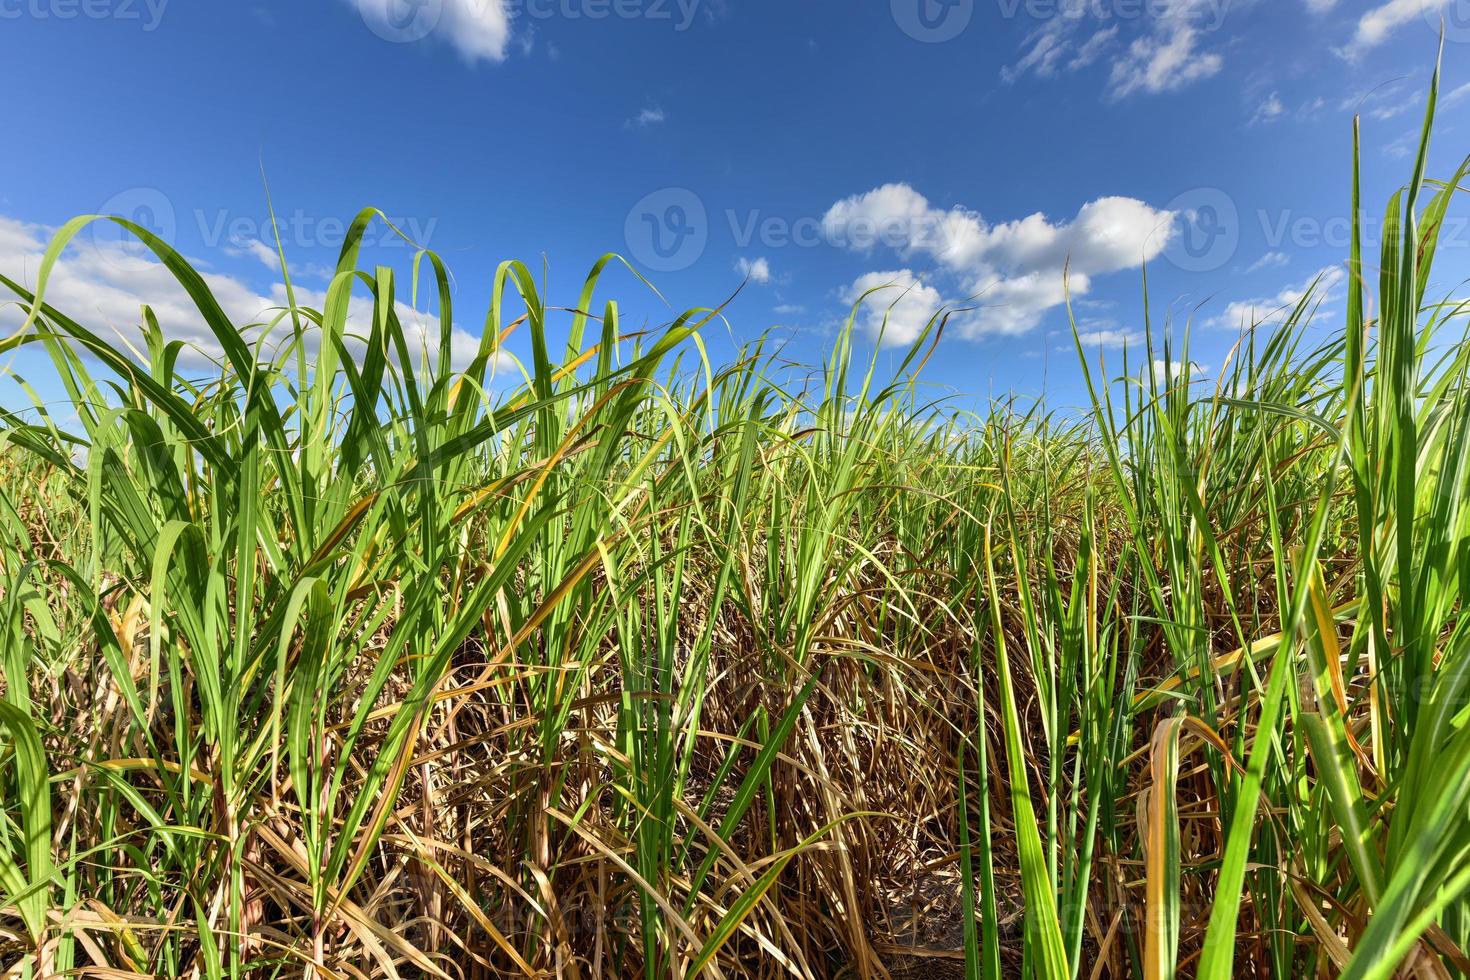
334	658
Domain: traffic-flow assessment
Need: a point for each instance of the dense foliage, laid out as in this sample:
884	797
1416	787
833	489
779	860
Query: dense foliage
336	657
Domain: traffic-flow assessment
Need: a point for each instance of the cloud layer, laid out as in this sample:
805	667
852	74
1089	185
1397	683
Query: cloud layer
1005	276
103	283
1163	47
1245	314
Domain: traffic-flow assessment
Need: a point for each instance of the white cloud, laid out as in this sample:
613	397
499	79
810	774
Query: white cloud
1163	374
646	118
1383	102
1162	62
1402	147
256	249
1270	110
1014	305
1098	334
1048	45
1009	273
899	309
1455	95
103	283
1108	235
1320	6
478	29
890	215
758	271
789	309
1376	25
1109	337
1167	53
1386	112
1269	261
1091	49
1245	314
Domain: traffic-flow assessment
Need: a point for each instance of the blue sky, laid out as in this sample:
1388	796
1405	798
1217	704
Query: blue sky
964	148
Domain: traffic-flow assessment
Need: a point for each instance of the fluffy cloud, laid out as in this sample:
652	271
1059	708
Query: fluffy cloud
898	309
1161	374
1108	235
1376	25
103	283
758	271
478	29
1245	314
1108	337
258	250
892	215
1008	274
1014	305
